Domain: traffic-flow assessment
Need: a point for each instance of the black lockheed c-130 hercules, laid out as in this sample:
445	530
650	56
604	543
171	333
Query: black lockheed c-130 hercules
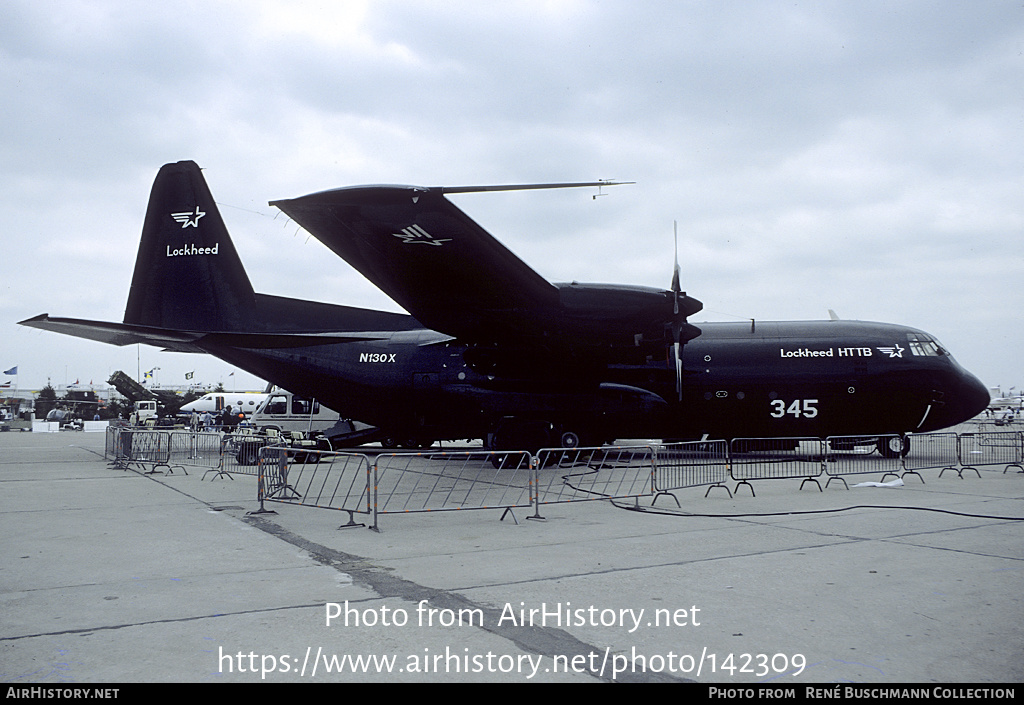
492	350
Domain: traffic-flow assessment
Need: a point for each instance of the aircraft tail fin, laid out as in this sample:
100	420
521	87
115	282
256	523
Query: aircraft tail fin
188	275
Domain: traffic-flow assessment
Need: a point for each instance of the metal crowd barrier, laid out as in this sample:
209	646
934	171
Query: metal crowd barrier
508	480
931	450
990	448
240	452
775	459
314	478
678	466
139	446
581	474
194	449
440	481
113	449
856	455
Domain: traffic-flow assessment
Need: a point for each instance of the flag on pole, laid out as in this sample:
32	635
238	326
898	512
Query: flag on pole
188	375
12	371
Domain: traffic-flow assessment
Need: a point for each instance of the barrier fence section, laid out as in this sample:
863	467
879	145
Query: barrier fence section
928	451
441	481
319	479
240	452
581	474
776	459
112	446
678	466
141	447
857	455
194	449
990	448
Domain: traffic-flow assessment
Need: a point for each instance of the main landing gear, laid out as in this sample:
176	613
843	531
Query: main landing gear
520	434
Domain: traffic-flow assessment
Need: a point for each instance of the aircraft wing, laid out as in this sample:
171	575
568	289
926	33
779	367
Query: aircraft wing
188	341
430	257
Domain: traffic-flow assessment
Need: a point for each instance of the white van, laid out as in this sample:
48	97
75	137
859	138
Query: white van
284	411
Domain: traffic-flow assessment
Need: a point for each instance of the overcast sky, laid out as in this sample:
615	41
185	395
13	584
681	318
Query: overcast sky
865	156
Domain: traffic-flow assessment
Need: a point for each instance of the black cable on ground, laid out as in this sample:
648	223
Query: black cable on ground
665	512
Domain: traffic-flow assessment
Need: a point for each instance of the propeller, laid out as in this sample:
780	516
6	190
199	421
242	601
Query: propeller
680	312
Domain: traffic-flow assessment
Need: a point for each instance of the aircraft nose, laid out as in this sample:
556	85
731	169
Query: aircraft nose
968	399
976	395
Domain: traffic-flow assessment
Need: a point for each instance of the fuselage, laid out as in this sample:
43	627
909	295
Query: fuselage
740	380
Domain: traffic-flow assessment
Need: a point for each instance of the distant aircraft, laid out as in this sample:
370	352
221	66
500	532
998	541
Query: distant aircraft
497	352
246	402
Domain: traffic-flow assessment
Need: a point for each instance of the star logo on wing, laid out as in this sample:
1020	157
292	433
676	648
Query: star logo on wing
188	218
414	234
894	351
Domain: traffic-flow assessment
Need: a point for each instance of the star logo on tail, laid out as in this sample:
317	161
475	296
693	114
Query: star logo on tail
188	218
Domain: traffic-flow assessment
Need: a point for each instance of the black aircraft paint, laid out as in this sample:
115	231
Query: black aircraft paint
497	352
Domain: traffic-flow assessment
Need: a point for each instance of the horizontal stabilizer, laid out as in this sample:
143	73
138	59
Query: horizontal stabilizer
116	333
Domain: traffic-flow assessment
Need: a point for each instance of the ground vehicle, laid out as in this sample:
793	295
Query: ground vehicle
145	409
284	411
291	420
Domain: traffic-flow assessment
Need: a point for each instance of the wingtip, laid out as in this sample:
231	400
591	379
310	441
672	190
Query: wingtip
34	319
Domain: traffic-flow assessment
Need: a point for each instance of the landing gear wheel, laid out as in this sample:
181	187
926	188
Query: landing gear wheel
570	440
893	446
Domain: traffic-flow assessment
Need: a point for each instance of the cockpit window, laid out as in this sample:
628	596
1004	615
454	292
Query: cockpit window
921	344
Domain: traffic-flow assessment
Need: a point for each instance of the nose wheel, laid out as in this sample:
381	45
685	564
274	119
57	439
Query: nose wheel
893	446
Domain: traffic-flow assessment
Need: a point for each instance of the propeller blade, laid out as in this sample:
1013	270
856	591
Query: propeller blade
679	369
676	287
677	325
